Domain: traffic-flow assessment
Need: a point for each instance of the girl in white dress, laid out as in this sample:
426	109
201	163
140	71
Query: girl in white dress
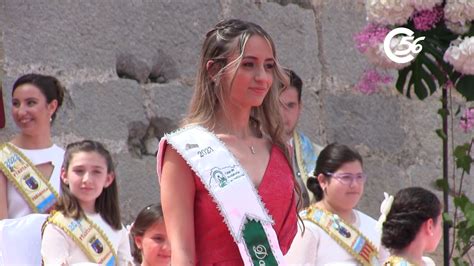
412	227
35	101
86	225
334	233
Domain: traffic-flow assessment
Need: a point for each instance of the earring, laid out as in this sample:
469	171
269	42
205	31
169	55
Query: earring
50	119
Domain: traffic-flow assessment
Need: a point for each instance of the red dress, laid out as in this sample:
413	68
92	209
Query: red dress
215	245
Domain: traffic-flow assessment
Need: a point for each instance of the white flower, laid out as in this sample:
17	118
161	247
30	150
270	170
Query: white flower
459	11
377	56
425	4
384	210
389	11
457	27
460	54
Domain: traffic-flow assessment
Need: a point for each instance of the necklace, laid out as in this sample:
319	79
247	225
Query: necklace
252	150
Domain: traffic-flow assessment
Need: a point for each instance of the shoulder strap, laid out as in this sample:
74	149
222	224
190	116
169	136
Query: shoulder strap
348	237
87	235
27	179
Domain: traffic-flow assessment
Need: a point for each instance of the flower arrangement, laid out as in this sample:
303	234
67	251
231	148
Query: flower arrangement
445	31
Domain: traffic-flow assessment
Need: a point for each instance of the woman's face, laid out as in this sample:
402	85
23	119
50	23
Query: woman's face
249	83
30	110
344	188
154	245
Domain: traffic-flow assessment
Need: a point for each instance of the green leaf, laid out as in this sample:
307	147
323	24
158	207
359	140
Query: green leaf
441	134
426	72
458	110
461	150
447	218
401	81
461	202
464	163
442	184
465	86
462	157
443	112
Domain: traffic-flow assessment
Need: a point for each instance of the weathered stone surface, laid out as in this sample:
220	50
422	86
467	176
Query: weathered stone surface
169	100
163	68
357	119
138	184
130	67
79	41
302	3
104	109
75	35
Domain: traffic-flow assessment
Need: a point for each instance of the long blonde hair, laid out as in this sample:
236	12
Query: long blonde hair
229	37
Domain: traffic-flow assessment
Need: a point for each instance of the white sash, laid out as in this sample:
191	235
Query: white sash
230	187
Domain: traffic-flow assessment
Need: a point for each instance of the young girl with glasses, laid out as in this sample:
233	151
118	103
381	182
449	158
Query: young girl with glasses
334	233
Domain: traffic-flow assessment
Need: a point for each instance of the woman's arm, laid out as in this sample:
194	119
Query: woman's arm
3	197
177	191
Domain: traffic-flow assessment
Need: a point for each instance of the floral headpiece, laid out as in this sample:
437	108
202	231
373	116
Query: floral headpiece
384	210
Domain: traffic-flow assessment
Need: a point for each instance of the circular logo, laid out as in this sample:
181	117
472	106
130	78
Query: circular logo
260	252
402	56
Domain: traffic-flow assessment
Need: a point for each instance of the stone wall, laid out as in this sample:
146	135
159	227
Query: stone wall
129	66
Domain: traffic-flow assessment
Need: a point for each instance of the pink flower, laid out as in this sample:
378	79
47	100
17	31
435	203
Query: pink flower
371	36
467	120
371	80
427	19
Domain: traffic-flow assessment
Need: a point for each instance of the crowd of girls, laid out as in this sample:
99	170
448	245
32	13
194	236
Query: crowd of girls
227	188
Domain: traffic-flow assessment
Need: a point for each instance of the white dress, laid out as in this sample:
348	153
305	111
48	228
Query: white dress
23	231
316	247
17	206
57	248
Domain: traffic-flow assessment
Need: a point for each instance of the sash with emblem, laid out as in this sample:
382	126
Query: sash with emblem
87	235
345	235
25	177
233	191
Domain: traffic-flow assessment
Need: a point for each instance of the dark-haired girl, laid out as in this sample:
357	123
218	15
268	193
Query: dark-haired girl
335	233
412	227
150	241
86	225
30	165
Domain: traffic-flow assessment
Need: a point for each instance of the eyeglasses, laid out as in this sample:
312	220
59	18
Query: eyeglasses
347	178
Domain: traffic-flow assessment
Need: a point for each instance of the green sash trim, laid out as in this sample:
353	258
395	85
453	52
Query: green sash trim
27	179
231	188
87	235
261	252
347	236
